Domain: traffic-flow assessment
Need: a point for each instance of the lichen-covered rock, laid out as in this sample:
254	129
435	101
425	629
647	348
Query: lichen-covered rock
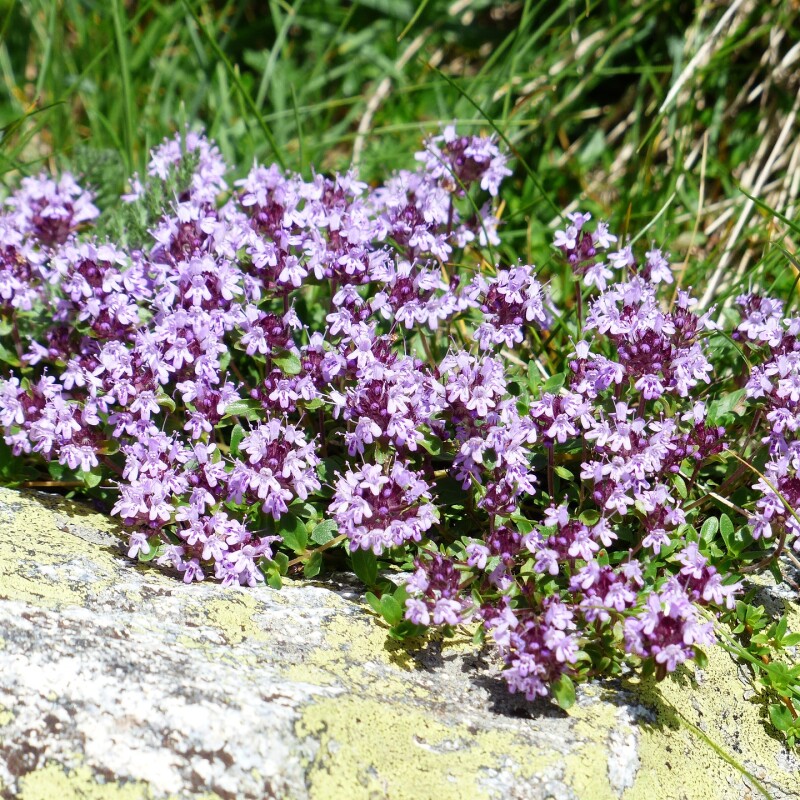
117	681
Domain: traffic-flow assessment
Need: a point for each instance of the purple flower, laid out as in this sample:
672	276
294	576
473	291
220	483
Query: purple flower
379	508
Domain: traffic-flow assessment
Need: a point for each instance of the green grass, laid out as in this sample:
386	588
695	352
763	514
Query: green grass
654	110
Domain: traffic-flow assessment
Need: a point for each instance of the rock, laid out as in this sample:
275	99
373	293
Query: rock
118	681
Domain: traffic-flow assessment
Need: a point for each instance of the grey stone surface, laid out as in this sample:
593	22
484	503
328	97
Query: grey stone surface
119	681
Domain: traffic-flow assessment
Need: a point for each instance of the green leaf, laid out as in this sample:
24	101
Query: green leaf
401	594
780	631
523	525
374	602
58	472
553	385
741	540
391	610
287	362
8	356
752	617
302	508
564	473
564	691
91	479
727	530
680	485
406	630
590	517
780	717
273	569
163	399
700	658
648	668
534	376
779	677
109	448
724	405
237	434
365	565
516	386
157	548
691	534
432	444
324	532
312	567
248	409
293	531
709	529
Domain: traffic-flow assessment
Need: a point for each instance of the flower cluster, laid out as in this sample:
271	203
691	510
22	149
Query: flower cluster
775	385
283	359
379	508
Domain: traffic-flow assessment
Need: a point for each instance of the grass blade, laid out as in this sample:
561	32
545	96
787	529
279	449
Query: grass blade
117	12
413	20
237	82
531	174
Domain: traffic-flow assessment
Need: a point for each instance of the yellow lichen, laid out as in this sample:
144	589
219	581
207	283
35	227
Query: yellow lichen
676	763
232	614
5	716
362	638
367	751
585	770
185	642
34	551
309	673
358	653
52	781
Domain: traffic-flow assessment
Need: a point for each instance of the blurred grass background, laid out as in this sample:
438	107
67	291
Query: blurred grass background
654	113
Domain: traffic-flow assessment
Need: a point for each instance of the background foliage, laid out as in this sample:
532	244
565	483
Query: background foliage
635	107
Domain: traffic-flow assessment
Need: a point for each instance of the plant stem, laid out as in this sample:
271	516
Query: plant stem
579	308
768	560
332	543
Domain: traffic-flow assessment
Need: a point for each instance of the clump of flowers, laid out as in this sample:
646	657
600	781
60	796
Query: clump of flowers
287	374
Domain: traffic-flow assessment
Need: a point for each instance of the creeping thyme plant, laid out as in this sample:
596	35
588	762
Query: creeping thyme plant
274	377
